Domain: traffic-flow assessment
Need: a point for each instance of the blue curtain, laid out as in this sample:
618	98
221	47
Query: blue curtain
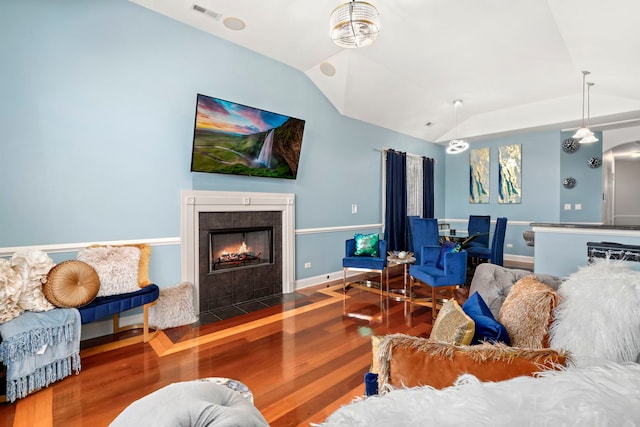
427	187
396	201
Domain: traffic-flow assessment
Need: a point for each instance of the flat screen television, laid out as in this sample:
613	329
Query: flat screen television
236	139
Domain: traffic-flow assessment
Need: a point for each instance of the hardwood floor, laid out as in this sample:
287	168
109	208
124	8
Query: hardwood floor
301	360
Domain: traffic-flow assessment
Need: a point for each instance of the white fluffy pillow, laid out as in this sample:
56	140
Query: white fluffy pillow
174	307
10	290
117	268
32	266
598	317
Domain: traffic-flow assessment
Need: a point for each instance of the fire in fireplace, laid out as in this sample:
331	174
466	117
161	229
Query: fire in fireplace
237	248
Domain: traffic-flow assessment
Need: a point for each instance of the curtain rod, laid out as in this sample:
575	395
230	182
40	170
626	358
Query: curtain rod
384	150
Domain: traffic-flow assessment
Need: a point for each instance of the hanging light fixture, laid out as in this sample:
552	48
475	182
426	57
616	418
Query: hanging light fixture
584	130
354	24
590	137
457	145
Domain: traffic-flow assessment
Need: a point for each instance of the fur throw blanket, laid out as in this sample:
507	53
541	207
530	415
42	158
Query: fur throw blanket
598	317
606	395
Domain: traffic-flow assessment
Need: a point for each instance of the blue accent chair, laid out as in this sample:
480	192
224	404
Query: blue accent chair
364	263
495	253
441	281
424	233
481	225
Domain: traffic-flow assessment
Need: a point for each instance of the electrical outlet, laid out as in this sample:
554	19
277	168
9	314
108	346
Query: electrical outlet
307	265
567	206
354	209
509	245
578	206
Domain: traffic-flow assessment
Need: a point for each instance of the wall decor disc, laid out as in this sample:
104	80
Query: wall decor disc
594	162
570	145
569	182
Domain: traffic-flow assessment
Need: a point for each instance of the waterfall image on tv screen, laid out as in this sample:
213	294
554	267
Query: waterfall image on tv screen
236	139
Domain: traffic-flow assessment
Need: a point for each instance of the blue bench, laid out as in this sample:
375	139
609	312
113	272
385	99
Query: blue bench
111	306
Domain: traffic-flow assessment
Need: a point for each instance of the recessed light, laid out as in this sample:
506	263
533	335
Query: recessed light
327	69
232	23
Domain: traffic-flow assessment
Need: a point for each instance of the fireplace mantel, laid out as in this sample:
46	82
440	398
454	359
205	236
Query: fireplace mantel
194	202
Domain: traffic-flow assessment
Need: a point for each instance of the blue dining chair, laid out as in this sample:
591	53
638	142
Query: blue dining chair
480	225
495	253
424	236
442	275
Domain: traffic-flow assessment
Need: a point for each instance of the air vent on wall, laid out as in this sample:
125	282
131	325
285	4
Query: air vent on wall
206	11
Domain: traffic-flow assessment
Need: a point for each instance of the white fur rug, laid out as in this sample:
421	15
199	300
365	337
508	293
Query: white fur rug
607	395
174	307
598	317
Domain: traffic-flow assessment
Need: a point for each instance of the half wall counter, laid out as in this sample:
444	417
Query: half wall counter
561	248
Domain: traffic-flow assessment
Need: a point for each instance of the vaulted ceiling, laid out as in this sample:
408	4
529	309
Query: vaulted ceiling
515	64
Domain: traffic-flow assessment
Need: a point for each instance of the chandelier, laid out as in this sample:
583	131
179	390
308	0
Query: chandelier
457	145
584	134
354	24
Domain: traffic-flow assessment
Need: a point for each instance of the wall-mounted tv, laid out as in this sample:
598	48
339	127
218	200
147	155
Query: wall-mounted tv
236	139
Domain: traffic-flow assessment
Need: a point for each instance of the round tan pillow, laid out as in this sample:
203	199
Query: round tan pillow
71	284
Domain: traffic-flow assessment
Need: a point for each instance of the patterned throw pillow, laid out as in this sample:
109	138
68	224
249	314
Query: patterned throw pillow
527	313
452	325
446	248
366	245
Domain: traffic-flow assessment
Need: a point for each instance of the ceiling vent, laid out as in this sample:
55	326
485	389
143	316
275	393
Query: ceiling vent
206	11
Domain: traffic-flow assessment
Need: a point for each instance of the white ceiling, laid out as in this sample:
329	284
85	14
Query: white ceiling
516	64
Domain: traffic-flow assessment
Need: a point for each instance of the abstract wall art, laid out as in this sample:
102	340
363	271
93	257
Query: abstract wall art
510	173
479	164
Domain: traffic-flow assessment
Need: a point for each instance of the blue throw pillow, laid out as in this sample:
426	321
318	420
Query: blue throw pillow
487	327
366	245
446	247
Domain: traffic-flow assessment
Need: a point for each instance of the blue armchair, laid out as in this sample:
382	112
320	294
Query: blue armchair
364	263
424	234
439	269
495	253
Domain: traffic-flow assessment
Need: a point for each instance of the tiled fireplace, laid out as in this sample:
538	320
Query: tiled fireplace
237	247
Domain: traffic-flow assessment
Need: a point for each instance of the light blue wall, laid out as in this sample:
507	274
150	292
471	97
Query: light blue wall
544	166
96	117
588	189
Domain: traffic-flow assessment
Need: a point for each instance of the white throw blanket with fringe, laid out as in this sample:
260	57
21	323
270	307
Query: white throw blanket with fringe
606	395
39	349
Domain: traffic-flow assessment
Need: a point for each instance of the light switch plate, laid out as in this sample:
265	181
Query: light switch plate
567	206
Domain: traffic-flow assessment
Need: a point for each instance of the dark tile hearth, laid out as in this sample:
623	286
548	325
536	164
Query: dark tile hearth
239	309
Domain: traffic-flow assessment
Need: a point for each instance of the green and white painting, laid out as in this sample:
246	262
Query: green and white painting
510	173
479	163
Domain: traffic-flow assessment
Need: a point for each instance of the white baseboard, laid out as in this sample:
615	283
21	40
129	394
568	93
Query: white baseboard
316	280
519	258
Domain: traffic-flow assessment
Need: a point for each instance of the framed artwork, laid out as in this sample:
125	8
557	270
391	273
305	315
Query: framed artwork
479	164
510	173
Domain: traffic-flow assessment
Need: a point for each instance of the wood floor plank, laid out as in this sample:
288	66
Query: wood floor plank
35	410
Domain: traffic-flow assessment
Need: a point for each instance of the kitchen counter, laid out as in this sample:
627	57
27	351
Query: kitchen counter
594	226
561	248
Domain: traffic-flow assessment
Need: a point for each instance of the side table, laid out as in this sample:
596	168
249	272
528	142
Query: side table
405	262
